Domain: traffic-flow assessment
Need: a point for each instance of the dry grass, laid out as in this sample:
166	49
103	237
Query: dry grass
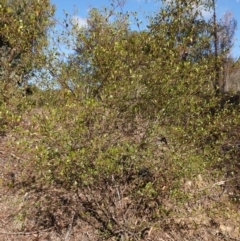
208	214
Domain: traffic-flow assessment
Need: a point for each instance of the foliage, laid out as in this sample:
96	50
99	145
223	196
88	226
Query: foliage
130	116
24	26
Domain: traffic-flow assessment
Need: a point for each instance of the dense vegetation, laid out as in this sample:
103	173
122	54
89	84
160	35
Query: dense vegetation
121	133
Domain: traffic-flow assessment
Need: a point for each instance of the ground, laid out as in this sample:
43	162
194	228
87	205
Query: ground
212	215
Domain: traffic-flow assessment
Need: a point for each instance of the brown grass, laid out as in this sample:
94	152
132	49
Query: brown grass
209	213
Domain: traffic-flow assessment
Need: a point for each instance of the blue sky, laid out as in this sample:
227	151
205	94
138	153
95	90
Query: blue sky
142	7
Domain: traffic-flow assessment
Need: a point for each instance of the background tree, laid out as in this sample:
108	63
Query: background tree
226	30
181	67
23	37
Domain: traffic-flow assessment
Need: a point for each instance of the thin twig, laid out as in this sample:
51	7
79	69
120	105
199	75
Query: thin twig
69	228
26	233
220	183
15	157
